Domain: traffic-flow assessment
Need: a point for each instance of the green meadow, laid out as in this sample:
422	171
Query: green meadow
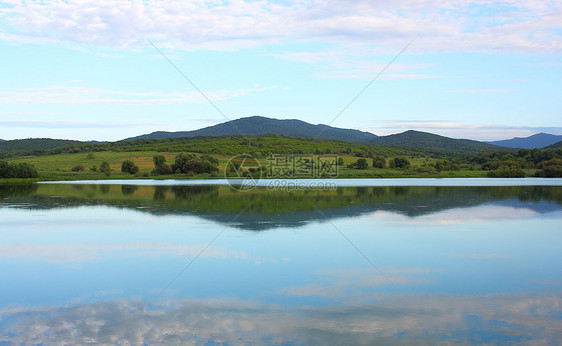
60	167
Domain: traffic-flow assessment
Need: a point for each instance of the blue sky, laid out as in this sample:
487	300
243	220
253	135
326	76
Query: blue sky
85	70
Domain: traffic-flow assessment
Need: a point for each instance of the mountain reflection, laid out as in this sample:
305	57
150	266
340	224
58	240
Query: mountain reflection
497	319
265	209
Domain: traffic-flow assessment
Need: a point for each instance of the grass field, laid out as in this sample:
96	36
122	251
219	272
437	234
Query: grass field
59	167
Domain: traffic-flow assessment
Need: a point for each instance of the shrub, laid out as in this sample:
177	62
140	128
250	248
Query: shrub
17	170
506	172
78	168
129	166
160	166
105	168
553	171
379	162
361	164
159	160
192	164
399	162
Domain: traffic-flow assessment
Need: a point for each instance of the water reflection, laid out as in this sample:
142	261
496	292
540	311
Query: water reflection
264	209
80	264
495	319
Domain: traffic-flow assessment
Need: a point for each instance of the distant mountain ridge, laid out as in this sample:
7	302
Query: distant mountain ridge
425	140
556	145
539	140
30	144
258	125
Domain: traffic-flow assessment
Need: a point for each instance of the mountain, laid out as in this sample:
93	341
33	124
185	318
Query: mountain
556	145
31	144
257	125
539	140
429	141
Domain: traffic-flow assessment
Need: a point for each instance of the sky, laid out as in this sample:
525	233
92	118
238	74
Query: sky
108	70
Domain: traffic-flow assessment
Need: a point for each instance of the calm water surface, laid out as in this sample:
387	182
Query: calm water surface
205	264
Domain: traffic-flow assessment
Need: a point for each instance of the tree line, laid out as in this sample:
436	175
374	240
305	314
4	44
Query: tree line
17	170
511	163
185	163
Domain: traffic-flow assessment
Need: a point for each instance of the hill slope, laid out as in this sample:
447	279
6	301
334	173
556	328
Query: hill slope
31	144
556	145
539	140
257	125
424	140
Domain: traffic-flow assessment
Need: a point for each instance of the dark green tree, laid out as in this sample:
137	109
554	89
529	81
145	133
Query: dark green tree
6	170
105	168
180	162
361	164
159	160
401	162
554	171
379	162
160	165
192	164
129	166
17	170
340	161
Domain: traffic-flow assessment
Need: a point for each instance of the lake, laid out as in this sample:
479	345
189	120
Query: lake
398	261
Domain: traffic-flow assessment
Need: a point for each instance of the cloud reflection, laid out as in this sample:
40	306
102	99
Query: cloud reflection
494	319
61	253
481	213
342	283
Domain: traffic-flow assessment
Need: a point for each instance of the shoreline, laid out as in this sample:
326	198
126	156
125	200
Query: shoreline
339	182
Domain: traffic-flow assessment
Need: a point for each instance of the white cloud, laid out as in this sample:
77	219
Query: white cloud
85	95
509	25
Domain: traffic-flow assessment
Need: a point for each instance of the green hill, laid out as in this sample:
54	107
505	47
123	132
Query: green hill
231	145
428	141
257	126
31	144
262	135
